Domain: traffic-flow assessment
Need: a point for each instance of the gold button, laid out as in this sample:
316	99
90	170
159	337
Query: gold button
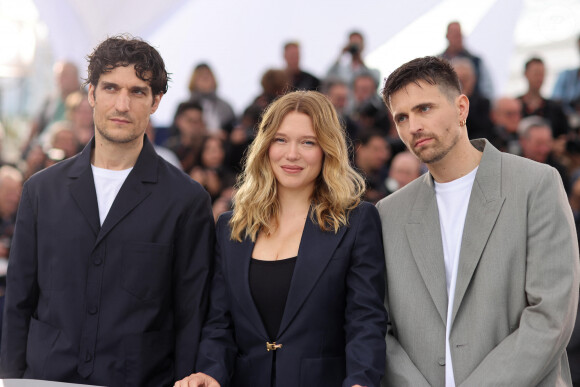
272	346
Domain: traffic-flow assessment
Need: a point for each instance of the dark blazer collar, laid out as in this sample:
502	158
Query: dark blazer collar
145	166
239	278
316	249
131	194
82	161
82	187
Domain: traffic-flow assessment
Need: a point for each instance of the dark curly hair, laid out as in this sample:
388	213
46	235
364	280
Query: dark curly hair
433	70
125	50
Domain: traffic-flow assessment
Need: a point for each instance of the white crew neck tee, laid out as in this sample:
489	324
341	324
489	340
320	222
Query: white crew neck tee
108	184
452	201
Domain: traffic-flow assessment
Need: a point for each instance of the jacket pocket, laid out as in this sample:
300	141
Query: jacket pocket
146	269
321	372
149	359
41	340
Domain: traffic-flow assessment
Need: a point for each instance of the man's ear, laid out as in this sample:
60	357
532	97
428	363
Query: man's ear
156	101
91	95
462	104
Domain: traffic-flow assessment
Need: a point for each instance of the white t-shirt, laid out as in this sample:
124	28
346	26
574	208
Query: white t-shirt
108	184
452	201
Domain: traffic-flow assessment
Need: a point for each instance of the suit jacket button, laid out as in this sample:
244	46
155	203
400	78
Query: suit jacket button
441	361
97	261
92	309
88	357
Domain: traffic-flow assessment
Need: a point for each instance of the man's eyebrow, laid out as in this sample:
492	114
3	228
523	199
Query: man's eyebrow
108	84
422	105
143	89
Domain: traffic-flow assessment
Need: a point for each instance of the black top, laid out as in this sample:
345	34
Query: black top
270	284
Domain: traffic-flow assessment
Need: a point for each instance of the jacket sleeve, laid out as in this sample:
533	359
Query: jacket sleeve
21	290
365	315
218	348
552	269
193	258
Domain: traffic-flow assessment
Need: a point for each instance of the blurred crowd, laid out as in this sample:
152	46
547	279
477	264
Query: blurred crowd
207	139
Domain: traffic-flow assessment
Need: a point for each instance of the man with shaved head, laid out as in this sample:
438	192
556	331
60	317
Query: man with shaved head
456	49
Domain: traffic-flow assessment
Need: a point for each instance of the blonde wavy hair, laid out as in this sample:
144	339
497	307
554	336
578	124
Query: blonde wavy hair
338	188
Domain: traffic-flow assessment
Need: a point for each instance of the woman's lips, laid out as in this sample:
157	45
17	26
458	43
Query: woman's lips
291	168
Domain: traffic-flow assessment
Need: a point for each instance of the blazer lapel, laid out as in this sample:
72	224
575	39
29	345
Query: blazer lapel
484	207
135	189
239	278
82	187
316	249
424	236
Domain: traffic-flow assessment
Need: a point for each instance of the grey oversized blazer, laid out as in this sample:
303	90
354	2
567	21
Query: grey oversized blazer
517	285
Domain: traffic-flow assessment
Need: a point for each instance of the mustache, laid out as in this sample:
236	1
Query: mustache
121	115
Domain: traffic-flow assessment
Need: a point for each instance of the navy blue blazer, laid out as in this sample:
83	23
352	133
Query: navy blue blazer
117	305
333	327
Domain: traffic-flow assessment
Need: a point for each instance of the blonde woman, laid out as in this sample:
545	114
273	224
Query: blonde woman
297	295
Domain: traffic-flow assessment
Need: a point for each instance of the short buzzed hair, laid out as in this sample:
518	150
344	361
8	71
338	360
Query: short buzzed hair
292	43
532	60
430	69
355	33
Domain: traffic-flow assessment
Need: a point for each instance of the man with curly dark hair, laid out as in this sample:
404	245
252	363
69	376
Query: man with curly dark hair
111	255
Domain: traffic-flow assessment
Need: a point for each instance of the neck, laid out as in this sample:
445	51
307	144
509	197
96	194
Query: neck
292	70
115	156
357	60
461	160
453	51
532	93
294	202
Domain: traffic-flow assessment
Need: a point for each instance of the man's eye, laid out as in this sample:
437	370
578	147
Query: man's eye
425	108
401	118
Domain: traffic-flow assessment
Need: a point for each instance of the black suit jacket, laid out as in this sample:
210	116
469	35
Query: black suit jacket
333	326
117	305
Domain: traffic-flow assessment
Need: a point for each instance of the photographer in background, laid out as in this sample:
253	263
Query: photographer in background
350	62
